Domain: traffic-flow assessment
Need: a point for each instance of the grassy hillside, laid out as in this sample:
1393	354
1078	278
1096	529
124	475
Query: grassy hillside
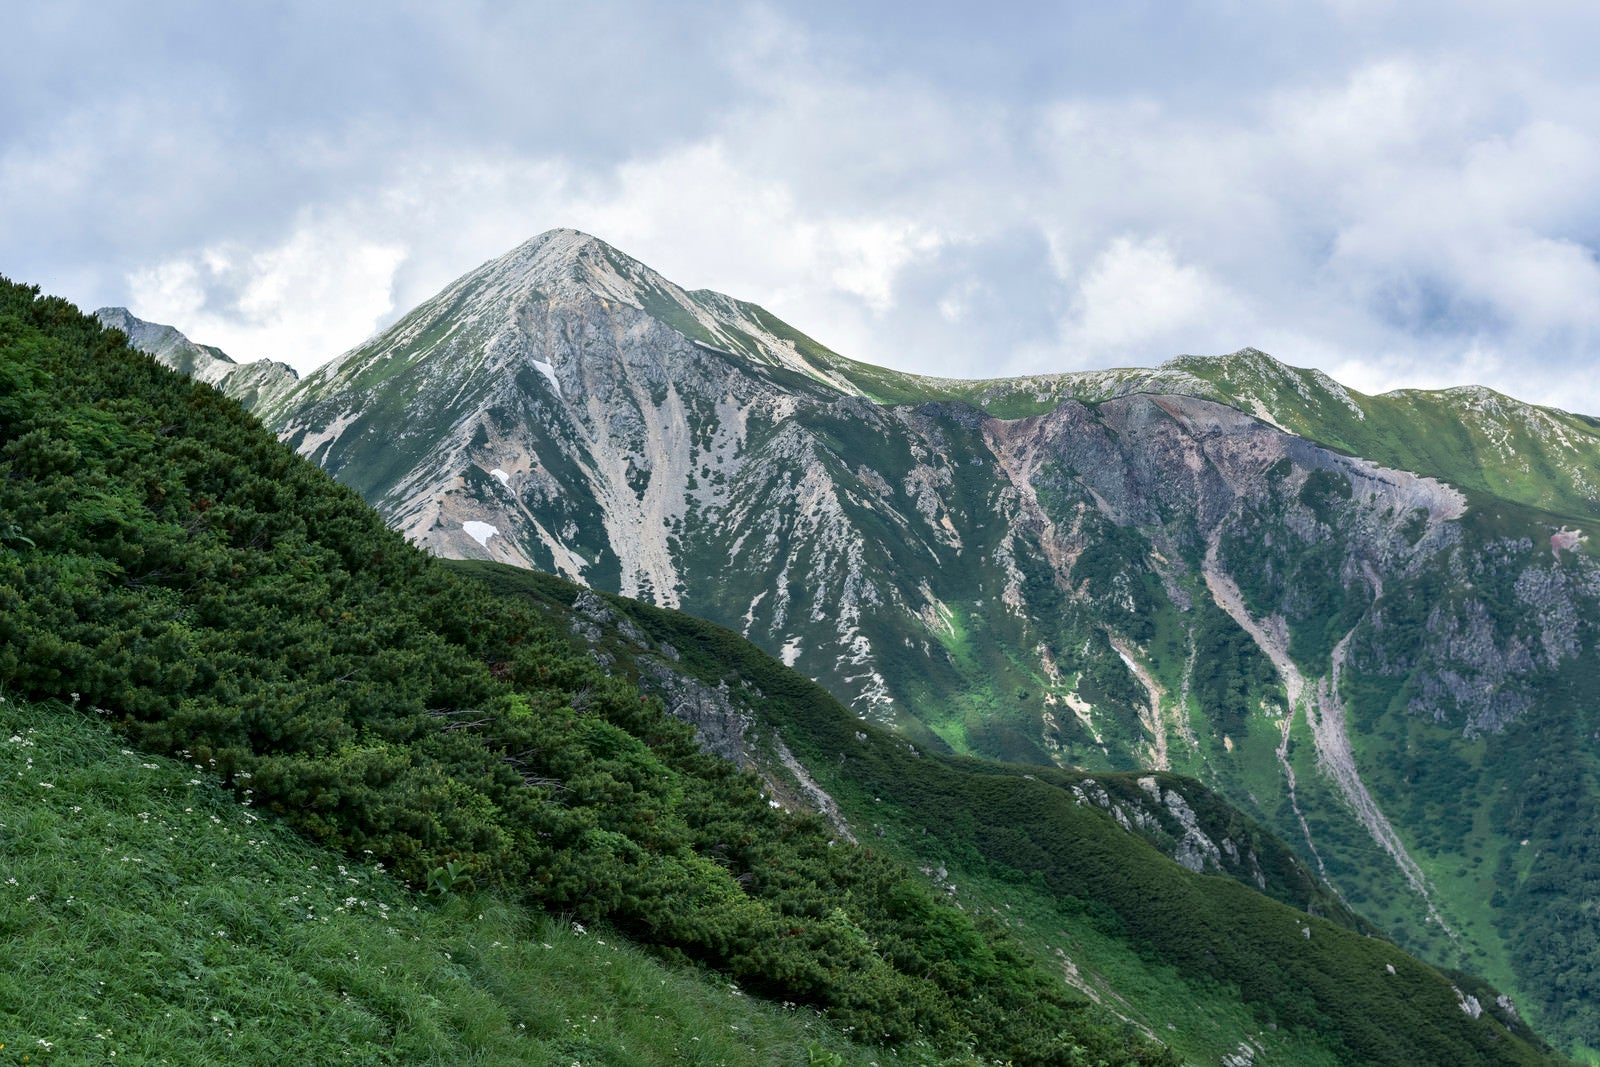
150	917
1474	438
1493	446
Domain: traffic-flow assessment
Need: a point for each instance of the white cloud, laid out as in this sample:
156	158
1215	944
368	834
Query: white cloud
873	252
300	301
708	220
1137	296
172	291
1410	201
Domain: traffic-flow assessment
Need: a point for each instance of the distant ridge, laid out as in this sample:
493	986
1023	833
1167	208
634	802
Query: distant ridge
255	385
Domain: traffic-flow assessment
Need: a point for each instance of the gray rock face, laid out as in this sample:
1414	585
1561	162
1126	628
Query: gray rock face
170	347
254	385
723	720
1163	816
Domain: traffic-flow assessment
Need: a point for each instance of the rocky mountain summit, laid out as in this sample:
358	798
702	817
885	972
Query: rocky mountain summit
1369	621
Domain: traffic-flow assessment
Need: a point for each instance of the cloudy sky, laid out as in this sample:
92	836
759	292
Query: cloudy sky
1399	193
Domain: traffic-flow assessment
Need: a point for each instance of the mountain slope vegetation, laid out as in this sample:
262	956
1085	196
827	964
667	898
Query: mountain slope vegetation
162	557
1043	837
150	915
167	560
1368	622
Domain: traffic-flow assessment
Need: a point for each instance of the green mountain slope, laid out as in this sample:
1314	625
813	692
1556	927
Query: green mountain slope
1356	618
1037	842
164	559
147	914
1473	438
167	560
1476	439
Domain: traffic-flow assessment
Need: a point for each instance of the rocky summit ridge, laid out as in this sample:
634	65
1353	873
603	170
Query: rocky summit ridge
1368	621
559	268
258	384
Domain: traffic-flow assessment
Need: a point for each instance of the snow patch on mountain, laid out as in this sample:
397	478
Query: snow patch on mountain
790	653
549	373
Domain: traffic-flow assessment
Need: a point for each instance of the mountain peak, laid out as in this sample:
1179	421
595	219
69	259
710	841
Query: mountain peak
564	237
558	246
564	261
169	346
487	314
